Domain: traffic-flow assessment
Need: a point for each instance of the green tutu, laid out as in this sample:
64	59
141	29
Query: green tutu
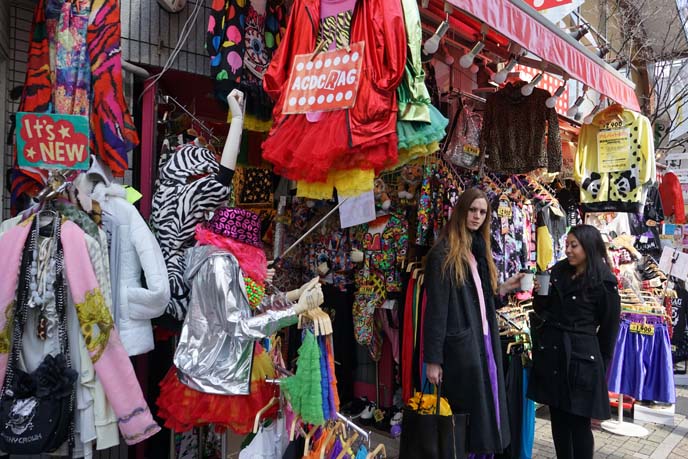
414	133
303	390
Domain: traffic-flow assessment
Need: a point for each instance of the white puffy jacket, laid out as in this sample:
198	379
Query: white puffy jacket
133	248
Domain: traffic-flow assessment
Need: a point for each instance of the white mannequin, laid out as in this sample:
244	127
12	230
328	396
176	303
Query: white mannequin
237	105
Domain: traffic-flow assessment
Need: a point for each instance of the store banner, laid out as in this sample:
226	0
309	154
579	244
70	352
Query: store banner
324	82
52	141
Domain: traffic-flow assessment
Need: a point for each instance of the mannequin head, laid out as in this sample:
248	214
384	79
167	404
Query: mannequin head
238	232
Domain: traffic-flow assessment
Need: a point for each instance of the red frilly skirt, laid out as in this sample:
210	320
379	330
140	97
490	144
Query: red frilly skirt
303	150
184	408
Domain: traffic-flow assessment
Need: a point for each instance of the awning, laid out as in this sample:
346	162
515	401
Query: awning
520	23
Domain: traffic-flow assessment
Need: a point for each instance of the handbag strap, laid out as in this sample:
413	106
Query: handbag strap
439	396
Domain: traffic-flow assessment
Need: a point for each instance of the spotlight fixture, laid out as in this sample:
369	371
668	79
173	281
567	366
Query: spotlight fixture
591	115
433	43
500	77
580	33
551	102
575	108
618	65
467	59
603	51
528	89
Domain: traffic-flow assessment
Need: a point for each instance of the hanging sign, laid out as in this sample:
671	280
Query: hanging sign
52	141
325	82
614	150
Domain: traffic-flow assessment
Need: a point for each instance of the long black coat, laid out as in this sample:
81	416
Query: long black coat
570	352
453	337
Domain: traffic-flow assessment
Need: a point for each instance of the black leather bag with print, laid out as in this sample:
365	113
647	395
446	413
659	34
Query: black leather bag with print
37	408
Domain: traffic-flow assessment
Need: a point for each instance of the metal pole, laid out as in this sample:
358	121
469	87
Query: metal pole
298	241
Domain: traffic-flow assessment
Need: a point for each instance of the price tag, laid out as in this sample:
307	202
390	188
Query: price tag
504	209
471	150
643	329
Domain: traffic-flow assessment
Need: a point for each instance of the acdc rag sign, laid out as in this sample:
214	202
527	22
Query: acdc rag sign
52	141
325	82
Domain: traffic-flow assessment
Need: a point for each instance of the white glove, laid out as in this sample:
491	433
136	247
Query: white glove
310	299
356	256
235	99
294	295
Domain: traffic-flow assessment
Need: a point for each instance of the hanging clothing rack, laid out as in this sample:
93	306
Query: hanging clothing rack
469	95
351	424
202	125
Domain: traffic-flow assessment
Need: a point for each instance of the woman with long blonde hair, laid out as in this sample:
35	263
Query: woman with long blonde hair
461	336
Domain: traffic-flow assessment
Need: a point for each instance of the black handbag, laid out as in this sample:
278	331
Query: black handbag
37	409
431	436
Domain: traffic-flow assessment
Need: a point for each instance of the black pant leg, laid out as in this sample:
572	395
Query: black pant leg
561	433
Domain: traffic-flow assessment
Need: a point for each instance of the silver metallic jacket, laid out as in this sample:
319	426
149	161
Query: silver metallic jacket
215	351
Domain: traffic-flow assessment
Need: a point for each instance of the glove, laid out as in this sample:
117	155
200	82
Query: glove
294	295
310	299
236	102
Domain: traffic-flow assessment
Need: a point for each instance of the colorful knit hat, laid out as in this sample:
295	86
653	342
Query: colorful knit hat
239	224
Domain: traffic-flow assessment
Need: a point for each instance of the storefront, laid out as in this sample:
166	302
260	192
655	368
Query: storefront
342	159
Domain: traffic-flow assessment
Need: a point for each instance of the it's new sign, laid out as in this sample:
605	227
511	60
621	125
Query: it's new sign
52	141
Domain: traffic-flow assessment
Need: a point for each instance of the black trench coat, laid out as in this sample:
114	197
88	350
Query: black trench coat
574	343
453	337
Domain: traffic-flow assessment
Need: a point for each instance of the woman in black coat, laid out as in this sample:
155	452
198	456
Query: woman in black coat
574	342
461	336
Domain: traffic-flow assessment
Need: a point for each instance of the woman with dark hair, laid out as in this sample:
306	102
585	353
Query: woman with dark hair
461	336
574	342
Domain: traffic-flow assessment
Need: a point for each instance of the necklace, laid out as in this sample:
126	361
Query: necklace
42	277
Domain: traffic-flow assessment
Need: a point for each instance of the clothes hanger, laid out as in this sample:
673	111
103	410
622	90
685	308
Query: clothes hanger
262	411
308	437
377	452
338	426
292	429
347	445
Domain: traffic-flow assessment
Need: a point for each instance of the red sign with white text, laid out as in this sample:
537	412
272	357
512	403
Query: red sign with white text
547	4
52	141
325	82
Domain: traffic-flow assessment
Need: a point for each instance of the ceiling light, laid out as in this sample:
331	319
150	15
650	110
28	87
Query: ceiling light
528	89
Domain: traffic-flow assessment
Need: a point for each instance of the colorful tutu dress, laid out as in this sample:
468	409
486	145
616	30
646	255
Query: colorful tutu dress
344	148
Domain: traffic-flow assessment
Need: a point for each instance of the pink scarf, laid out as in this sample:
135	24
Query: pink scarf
110	359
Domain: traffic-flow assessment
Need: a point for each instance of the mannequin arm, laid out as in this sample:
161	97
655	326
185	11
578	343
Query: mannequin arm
230	152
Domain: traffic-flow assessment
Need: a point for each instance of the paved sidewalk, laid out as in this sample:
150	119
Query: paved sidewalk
662	442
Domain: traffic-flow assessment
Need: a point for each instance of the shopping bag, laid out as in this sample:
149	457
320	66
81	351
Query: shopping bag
432	436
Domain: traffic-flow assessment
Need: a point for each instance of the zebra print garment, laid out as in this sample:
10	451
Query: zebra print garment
178	207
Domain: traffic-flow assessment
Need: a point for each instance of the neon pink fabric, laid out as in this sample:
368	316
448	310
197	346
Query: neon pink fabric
516	23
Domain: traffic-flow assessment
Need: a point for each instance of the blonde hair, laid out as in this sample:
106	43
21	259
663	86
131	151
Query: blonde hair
459	239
